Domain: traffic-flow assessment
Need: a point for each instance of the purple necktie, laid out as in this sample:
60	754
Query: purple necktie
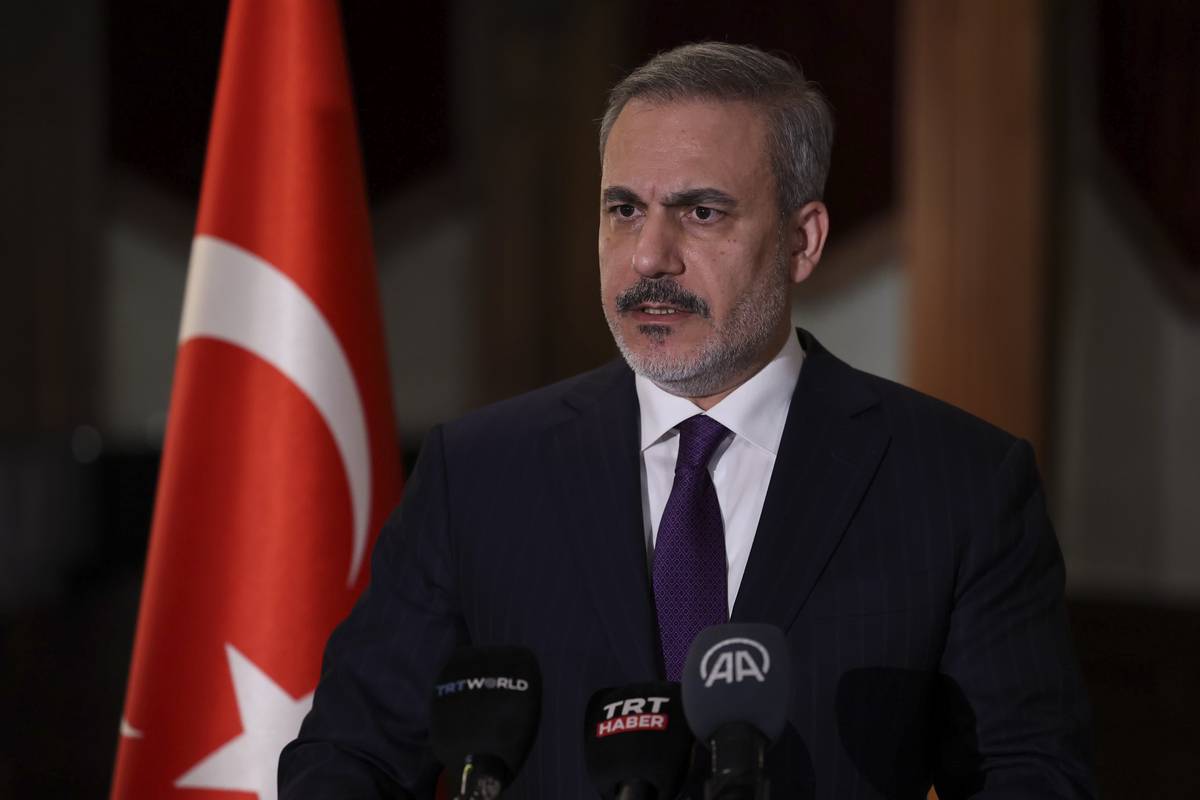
689	551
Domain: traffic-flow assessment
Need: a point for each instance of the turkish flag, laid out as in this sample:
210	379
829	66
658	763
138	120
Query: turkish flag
280	460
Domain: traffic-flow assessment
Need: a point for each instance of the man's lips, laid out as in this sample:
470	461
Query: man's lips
659	314
659	302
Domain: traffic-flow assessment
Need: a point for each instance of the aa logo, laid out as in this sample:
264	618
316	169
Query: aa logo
733	661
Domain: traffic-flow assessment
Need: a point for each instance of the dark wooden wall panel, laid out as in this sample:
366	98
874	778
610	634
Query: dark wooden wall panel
975	207
1148	106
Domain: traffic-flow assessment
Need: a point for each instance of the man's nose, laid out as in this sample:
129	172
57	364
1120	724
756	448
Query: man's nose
655	254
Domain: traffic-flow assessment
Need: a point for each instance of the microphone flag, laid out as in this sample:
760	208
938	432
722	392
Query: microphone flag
280	460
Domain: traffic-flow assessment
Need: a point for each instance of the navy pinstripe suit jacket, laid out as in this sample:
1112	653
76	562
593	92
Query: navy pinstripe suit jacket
904	548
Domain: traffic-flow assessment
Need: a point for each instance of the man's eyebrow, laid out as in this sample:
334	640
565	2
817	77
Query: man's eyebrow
703	196
621	194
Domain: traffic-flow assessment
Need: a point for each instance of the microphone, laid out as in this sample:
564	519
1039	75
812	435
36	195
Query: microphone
636	741
735	694
486	706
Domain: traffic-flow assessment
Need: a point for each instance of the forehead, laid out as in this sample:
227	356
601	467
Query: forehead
669	146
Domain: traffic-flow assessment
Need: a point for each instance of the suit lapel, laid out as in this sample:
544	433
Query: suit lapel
594	460
832	443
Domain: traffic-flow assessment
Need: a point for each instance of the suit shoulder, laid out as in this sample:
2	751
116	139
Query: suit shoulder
527	414
933	424
923	426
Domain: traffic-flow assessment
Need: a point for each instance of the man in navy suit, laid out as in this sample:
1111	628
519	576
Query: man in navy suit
901	544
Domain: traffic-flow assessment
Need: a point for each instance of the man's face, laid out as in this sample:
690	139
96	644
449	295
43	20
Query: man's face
694	268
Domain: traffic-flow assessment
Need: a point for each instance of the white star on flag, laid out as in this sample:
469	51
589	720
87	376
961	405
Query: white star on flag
270	719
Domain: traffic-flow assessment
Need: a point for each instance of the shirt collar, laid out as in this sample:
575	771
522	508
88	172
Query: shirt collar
756	410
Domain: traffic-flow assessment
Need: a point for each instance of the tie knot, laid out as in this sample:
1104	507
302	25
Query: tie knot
698	440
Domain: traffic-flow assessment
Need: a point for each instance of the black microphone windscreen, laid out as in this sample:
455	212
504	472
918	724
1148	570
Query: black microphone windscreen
737	673
487	701
637	733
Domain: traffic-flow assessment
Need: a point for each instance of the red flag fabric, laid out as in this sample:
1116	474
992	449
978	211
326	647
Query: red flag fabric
280	458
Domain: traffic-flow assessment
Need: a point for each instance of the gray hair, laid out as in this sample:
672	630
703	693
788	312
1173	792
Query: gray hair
799	121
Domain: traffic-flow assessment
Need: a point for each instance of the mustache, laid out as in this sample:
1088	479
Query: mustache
661	290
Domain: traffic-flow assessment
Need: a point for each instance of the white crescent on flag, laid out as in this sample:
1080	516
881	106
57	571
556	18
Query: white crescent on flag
234	296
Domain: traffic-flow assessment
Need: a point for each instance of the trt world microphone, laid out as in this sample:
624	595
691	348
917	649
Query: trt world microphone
486	706
637	742
735	693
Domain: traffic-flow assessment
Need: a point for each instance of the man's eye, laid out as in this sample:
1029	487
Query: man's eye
625	210
705	214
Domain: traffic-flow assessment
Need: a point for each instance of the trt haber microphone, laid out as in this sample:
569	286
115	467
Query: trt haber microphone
736	690
636	741
487	703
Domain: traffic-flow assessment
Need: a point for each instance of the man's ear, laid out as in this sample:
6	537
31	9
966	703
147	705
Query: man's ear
807	229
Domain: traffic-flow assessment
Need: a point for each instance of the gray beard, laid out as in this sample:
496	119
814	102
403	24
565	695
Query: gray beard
726	356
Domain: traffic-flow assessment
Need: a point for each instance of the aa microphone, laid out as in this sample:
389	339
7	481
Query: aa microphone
636	741
486	706
735	693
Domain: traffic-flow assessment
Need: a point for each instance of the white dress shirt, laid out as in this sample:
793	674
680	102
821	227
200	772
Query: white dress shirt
741	466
